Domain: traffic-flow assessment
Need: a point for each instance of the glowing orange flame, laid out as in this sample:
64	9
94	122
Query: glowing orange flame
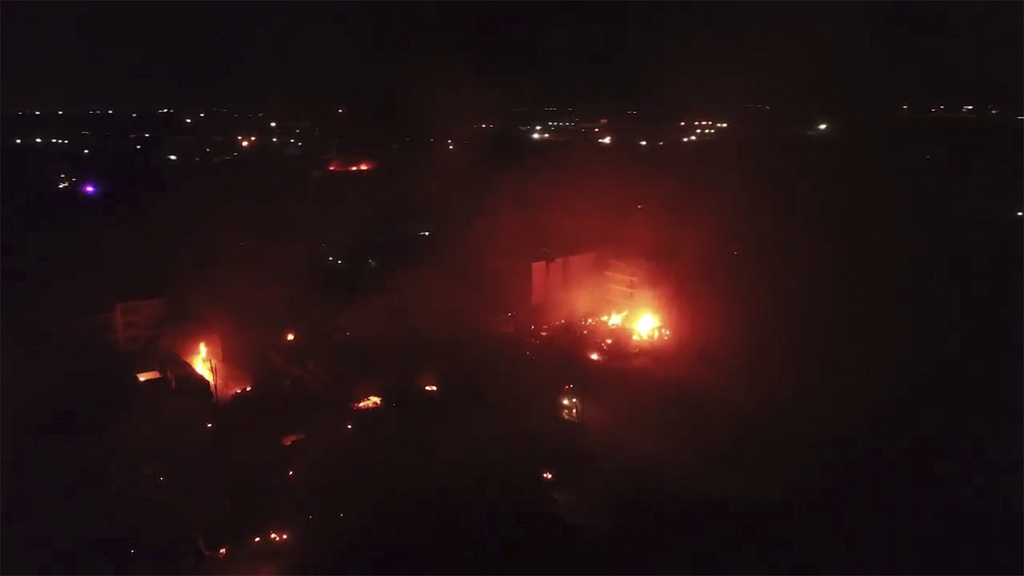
202	364
594	356
368	403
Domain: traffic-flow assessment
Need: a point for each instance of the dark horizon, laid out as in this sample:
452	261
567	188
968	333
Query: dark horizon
434	59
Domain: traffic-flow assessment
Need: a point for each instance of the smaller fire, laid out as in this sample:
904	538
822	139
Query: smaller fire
594	356
368	403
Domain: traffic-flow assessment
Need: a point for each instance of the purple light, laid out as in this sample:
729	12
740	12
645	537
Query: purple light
89	189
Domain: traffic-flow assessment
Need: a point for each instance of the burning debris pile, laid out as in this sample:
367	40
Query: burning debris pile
624	331
645	326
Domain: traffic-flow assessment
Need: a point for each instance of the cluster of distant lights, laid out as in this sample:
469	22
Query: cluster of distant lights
707	128
172	157
965	108
40	141
87	188
706	123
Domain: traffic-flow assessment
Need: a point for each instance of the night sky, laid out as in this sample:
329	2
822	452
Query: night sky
425	57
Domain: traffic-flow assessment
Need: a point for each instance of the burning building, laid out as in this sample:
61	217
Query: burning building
610	305
589	284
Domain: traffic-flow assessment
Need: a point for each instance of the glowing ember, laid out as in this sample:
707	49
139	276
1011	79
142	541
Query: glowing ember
202	363
151	375
594	356
288	440
615	319
368	403
290	337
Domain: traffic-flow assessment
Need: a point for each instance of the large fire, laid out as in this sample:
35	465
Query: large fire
202	363
647	326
